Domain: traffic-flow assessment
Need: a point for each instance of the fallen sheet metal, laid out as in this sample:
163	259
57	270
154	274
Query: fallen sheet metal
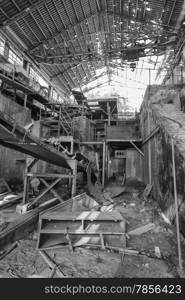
78	224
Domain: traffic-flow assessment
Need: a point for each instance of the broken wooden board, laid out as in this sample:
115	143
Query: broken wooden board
142	229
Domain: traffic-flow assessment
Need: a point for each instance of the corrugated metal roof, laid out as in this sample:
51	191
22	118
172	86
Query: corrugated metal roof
72	38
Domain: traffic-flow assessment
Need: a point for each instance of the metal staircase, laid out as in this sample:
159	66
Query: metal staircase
65	121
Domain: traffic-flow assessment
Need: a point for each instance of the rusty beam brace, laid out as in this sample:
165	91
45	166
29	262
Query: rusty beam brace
134	145
151	135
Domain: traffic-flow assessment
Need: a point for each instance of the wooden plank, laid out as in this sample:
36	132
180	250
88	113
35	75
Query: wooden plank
142	229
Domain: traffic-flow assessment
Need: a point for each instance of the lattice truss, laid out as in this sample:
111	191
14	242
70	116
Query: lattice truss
72	39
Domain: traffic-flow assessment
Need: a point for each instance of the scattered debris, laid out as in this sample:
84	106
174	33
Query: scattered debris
131	250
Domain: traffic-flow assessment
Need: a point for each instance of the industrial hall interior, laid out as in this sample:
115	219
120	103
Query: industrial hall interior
92	138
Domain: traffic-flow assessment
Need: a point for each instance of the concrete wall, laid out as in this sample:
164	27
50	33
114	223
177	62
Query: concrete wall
157	112
134	165
131	164
128	129
11	163
116	166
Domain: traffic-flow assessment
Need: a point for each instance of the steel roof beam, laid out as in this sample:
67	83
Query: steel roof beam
80	22
22	13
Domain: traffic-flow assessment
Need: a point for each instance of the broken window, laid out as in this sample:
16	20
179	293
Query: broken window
2	46
14	58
